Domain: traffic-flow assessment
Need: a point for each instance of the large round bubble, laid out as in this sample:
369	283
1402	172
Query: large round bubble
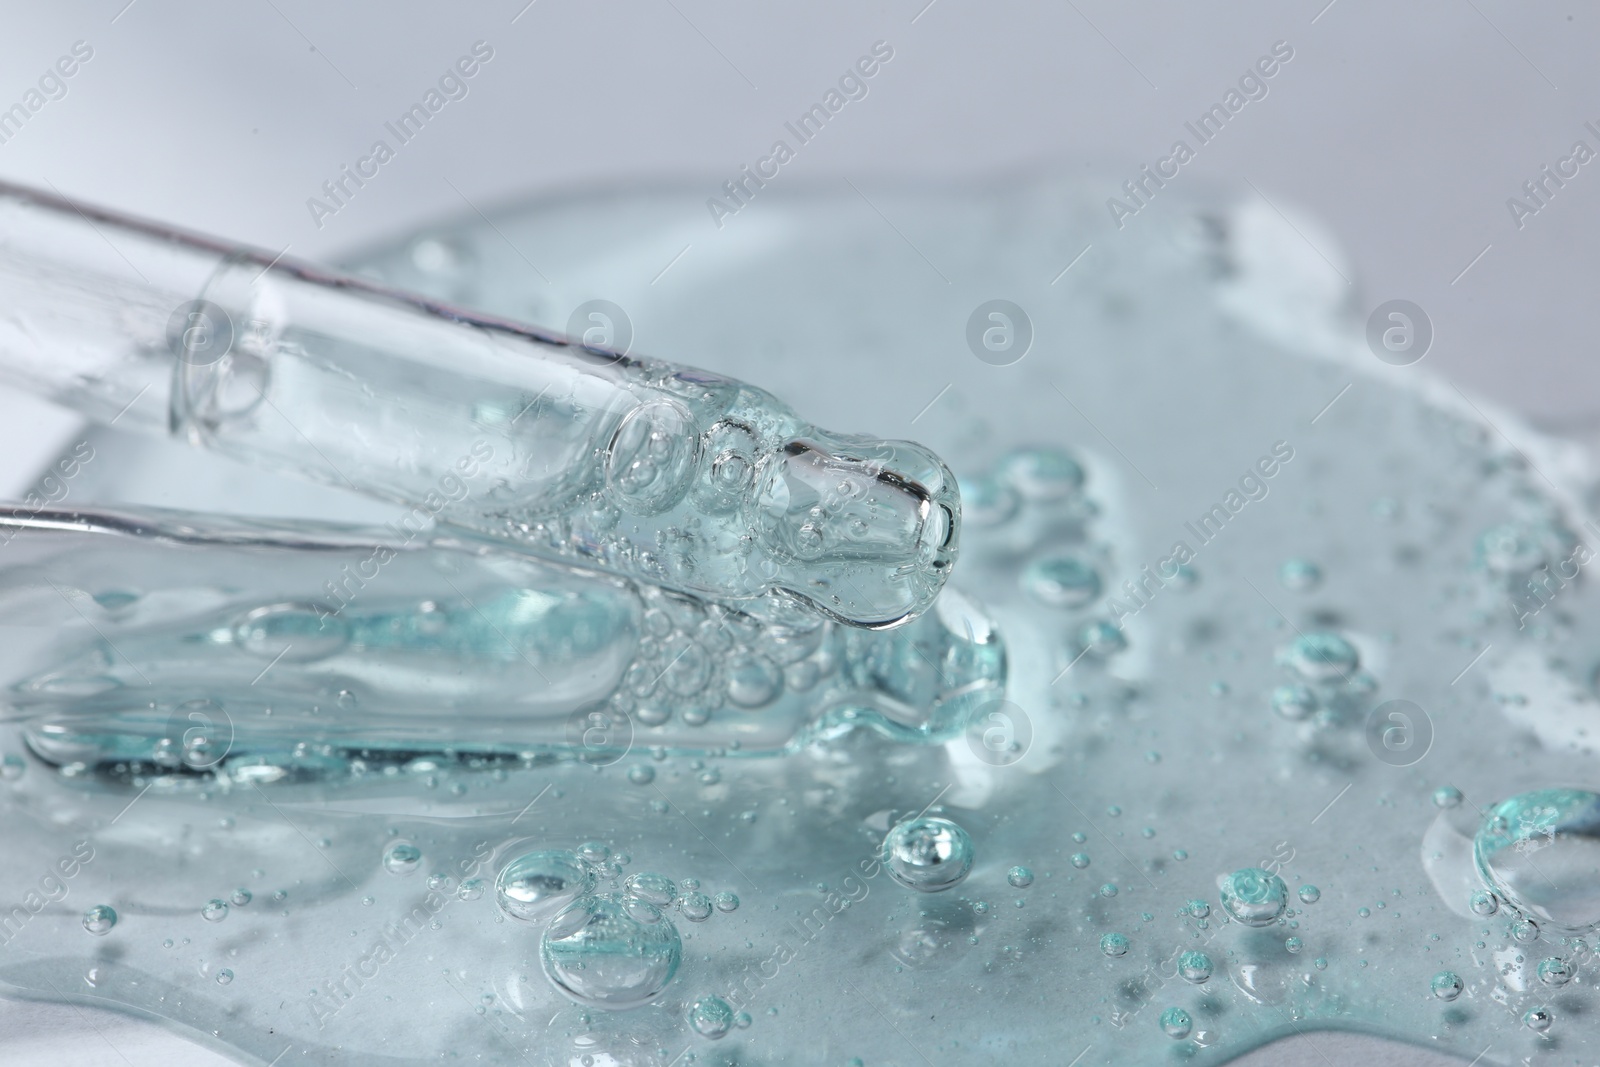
599	953
1540	853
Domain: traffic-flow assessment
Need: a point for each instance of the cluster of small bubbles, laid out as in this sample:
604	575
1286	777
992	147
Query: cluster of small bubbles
1195	967
1293	945
600	955
656	889
224	976
1553	970
99	919
471	889
1080	860
214	911
1447	985
1114	945
1019	877
402	858
1447	796
240	898
726	902
711	1017
1299	575
1254	897
1061	582
928	854
534	886
1537	1019
1322	657
1309	894
1483	902
641	774
1293	702
1176	1023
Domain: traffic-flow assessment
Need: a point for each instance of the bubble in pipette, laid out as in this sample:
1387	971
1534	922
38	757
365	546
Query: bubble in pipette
292	632
753	680
928	854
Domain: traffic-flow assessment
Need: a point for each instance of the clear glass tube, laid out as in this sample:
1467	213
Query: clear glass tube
165	645
644	469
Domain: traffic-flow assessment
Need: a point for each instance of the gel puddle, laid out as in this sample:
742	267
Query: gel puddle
1286	746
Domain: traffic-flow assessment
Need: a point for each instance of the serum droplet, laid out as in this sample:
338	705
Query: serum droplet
928	854
1254	897
99	920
